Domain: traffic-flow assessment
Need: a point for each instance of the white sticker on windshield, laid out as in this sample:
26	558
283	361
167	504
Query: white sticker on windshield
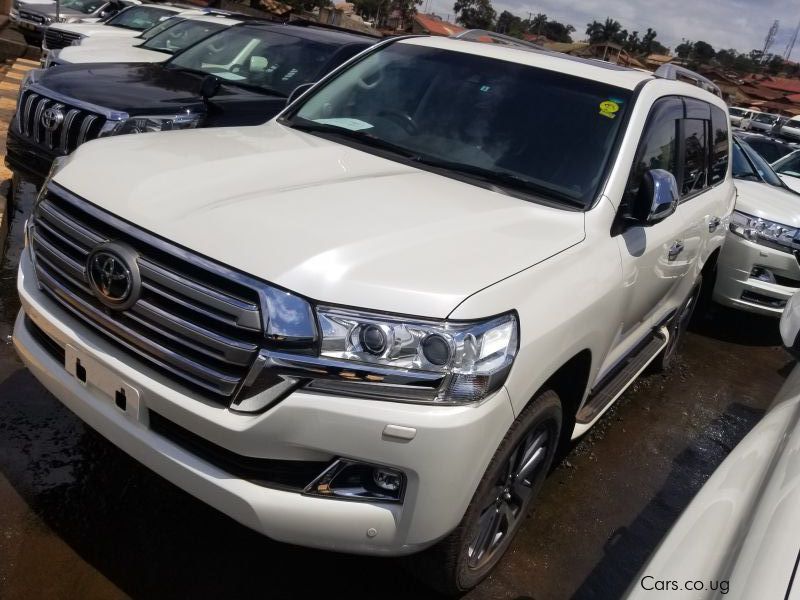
345	123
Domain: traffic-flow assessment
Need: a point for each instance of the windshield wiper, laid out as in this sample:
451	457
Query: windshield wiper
501	178
360	136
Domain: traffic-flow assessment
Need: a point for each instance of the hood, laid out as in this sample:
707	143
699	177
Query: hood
322	219
135	88
791	181
119	53
95	29
768	202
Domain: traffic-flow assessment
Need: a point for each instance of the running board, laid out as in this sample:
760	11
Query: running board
622	375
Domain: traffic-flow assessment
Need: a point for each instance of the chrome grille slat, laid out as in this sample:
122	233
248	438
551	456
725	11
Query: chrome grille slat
84	130
63	144
26	114
37	119
192	319
70	226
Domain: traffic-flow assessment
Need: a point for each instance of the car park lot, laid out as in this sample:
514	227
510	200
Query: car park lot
80	518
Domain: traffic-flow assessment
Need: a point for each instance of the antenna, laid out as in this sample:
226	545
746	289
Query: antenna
770	39
790	46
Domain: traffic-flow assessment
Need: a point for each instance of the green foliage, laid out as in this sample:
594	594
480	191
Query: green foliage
475	14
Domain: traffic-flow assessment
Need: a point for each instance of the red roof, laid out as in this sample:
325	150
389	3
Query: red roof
793	98
435	26
783	84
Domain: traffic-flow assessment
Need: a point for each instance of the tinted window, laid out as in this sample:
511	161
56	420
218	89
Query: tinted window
694	157
507	124
139	18
762	168
770	150
719	145
736	112
742	169
789	165
258	57
84	6
162	26
182	36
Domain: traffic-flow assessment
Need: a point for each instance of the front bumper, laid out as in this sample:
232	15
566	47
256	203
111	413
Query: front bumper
25	157
28	26
443	463
735	287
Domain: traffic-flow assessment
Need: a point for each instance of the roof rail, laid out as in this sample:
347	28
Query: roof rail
480	35
676	73
304	22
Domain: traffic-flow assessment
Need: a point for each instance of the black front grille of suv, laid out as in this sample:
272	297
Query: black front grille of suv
72	128
55	39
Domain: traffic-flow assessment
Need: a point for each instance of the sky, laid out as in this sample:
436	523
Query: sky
738	24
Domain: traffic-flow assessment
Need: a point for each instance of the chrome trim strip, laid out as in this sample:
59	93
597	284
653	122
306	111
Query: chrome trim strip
69	226
26	114
65	127
37	119
112	115
77	270
84	131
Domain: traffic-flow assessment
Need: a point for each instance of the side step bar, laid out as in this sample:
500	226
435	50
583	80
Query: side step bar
622	375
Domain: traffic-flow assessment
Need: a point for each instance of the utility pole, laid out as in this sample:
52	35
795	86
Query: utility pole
769	40
790	46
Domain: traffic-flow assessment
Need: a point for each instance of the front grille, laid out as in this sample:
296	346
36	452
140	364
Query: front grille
75	126
55	39
29	16
194	320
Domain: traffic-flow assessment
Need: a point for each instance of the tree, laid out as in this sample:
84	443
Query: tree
609	31
684	50
558	32
702	52
509	24
474	14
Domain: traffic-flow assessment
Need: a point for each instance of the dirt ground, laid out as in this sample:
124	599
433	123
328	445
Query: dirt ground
80	519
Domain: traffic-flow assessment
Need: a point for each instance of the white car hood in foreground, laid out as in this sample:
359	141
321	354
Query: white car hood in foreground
743	526
117	54
322	219
768	202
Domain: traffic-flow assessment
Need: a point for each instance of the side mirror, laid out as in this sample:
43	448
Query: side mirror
209	87
657	198
298	91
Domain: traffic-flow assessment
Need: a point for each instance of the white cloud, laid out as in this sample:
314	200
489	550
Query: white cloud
739	24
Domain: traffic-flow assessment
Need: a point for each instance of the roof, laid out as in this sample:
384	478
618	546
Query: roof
597	70
436	26
783	84
659	58
315	32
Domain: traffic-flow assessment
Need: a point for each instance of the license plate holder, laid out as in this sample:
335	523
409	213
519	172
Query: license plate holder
90	373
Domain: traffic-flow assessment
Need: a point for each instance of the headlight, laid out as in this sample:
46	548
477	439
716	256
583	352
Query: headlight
147	123
761	231
441	361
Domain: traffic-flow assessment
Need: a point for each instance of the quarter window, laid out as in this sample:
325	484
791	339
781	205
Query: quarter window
694	156
719	146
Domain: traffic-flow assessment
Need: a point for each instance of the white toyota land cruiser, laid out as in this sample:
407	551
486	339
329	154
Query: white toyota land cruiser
369	325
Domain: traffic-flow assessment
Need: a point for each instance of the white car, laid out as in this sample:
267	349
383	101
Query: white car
762	122
741	117
791	129
738	537
369	324
758	270
175	34
788	169
127	23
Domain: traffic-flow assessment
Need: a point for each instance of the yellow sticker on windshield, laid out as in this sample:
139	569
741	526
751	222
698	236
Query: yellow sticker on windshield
609	108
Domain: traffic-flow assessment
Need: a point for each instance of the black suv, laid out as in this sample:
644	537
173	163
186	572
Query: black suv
242	75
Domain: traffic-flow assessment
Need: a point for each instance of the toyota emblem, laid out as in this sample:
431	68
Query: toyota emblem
52	118
113	275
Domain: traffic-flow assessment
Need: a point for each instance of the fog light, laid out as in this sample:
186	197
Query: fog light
346	479
762	274
387	479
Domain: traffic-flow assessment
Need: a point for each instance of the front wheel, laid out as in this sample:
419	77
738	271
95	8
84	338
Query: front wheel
500	504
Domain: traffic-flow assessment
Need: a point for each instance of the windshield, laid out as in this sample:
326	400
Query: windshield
748	164
789	165
737	112
258	57
162	26
501	122
139	18
181	36
762	118
84	6
769	149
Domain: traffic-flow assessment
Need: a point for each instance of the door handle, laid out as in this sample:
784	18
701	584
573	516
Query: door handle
674	250
713	224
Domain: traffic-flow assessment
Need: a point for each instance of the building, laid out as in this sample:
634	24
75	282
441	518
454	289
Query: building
433	25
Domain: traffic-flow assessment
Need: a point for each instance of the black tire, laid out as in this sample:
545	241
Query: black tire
446	567
677	327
